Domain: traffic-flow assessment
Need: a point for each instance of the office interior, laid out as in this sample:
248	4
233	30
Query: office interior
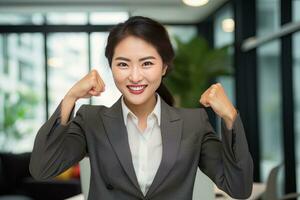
46	46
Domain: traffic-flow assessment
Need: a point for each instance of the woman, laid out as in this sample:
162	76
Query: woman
142	147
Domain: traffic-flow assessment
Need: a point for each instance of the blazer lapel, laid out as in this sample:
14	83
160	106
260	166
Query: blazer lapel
117	134
171	131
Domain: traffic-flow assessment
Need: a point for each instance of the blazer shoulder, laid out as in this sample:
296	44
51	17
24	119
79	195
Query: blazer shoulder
90	110
192	115
191	112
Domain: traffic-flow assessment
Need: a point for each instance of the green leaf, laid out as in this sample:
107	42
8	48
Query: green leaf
195	65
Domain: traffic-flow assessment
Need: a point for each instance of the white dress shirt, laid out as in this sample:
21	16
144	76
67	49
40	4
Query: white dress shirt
145	147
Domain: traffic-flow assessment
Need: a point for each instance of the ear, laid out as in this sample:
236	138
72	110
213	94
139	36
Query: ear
165	67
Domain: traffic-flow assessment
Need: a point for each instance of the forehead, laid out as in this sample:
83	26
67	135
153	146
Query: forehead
135	47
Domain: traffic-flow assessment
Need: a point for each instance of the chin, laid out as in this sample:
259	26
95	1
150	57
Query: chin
137	99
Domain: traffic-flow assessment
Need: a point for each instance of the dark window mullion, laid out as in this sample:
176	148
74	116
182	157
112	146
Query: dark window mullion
46	75
288	134
89	42
245	64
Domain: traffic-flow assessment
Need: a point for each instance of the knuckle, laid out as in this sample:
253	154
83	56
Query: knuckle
94	73
93	78
101	81
208	101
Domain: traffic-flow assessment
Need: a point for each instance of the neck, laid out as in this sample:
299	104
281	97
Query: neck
142	110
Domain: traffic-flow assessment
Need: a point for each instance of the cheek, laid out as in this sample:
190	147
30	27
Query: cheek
153	77
118	78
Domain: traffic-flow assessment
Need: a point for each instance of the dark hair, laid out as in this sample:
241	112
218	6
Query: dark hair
152	32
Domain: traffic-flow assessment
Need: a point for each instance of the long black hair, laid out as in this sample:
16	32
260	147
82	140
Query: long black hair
150	31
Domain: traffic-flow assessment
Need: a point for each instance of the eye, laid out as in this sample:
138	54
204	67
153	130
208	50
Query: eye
147	63
122	65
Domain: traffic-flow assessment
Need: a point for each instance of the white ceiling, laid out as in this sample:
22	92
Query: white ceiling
170	11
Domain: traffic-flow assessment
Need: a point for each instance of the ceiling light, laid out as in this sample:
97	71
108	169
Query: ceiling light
228	25
195	3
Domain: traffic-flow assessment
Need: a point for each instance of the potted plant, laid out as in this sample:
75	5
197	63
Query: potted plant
196	65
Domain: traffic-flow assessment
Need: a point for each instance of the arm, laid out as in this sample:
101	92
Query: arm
227	162
61	142
58	145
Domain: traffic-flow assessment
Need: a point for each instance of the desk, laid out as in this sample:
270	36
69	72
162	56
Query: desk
77	197
257	190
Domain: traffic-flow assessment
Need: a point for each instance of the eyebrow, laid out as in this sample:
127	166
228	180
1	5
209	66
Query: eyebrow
141	59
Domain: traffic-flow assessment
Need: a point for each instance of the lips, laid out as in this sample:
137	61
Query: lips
136	89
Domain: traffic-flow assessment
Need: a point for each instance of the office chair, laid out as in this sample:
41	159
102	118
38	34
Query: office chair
271	187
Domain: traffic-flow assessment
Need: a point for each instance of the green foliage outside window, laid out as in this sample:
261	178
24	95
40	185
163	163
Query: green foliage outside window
18	107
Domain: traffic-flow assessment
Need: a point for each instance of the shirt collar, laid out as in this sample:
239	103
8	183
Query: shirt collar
156	111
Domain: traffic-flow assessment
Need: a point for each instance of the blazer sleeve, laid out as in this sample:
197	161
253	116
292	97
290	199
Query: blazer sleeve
57	147
227	161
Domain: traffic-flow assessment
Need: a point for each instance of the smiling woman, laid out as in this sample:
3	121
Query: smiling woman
137	68
142	147
135	41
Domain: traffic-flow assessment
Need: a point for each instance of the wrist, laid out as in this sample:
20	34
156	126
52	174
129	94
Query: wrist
69	100
67	106
69	97
230	118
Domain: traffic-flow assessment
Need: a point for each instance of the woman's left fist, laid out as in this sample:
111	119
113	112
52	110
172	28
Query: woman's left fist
216	98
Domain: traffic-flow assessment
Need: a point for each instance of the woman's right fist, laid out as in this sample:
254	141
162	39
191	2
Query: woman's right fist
89	85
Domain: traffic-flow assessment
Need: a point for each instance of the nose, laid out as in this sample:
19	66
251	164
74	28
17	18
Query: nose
135	75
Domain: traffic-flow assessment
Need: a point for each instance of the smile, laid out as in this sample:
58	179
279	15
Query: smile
136	89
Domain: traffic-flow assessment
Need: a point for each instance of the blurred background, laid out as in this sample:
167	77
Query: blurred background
252	47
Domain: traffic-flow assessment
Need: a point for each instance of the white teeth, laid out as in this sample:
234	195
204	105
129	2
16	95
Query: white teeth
137	88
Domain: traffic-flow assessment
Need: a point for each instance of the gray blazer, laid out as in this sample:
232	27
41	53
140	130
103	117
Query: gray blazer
188	142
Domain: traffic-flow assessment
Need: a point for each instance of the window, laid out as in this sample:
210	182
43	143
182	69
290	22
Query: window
2	52
21	18
67	18
296	87
22	70
296	84
21	92
269	90
295	7
184	33
67	63
100	63
268	16
224	27
108	17
269	93
224	36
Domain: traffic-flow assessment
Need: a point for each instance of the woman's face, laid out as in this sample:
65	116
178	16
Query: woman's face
137	70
